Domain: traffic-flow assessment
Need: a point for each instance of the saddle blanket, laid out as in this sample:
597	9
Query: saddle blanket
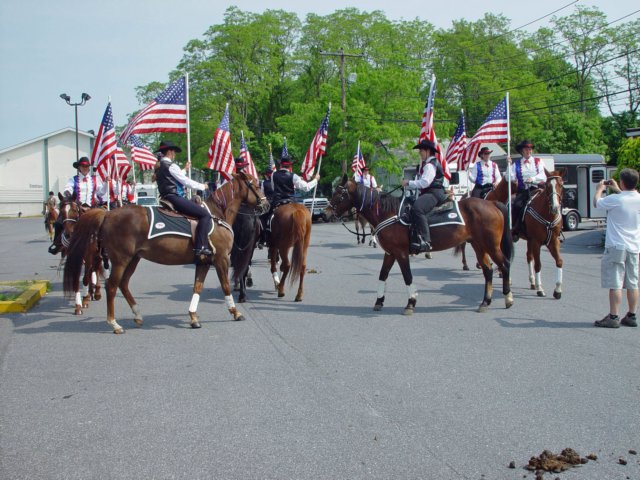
447	216
161	224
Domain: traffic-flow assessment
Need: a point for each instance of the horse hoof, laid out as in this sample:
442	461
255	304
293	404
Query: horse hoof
280	294
557	295
483	308
249	282
508	301
119	331
408	311
196	325
298	299
532	287
427	255
377	307
239	318
138	322
97	296
242	299
77	311
541	293
465	268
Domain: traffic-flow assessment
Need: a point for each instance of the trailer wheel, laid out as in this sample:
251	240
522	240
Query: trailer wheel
571	221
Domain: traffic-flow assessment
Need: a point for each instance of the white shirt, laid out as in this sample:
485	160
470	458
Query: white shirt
300	184
490	173
424	180
367	180
529	170
86	188
623	220
177	173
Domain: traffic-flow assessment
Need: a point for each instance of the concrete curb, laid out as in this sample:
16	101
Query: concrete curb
27	299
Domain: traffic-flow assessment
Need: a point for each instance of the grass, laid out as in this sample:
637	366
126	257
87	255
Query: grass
11	290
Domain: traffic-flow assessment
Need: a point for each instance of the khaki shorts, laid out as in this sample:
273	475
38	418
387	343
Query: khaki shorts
619	269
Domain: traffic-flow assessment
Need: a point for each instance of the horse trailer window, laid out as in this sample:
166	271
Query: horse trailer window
597	175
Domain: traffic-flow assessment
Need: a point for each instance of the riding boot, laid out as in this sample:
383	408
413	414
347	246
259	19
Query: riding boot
422	241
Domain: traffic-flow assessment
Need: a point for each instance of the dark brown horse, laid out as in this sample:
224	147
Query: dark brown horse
246	232
484	228
123	235
290	228
542	226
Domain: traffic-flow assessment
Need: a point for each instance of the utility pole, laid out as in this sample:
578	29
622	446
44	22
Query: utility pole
343	101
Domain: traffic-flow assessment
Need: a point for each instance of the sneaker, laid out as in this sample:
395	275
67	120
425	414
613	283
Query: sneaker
203	251
608	322
629	320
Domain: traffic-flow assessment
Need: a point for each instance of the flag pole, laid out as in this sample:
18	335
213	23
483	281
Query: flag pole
508	164
186	80
313	201
109	162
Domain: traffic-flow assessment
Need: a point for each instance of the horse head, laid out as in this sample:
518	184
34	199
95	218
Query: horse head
65	224
341	200
253	195
553	189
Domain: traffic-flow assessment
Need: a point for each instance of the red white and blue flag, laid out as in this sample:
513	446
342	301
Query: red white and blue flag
167	113
317	148
458	145
358	163
220	155
272	163
494	130
244	153
141	154
116	167
105	142
427	131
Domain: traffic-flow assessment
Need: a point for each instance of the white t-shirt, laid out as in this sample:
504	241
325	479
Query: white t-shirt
623	220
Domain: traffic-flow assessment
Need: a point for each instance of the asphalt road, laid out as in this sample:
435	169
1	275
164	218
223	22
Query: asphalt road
323	389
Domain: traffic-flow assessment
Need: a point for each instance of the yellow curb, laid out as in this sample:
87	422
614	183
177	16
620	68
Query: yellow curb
27	299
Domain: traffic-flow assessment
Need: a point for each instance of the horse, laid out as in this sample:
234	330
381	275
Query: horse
361	223
123	234
50	217
484	227
290	227
246	233
64	227
542	226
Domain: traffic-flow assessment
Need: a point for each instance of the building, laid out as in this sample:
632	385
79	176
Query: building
29	170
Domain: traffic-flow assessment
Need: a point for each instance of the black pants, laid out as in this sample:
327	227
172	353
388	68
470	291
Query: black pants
522	197
422	206
481	191
187	207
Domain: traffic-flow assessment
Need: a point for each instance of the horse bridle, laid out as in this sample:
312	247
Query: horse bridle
344	195
262	200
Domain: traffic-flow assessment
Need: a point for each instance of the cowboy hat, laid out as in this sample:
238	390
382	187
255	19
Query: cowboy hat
523	144
424	145
82	162
484	150
168	145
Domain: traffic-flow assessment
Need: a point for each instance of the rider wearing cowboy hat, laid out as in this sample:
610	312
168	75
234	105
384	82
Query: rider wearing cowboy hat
485	174
87	187
429	181
285	182
529	173
170	179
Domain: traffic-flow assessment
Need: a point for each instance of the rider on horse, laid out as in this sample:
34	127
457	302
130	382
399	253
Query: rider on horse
485	174
285	183
267	189
171	184
87	187
430	183
529	173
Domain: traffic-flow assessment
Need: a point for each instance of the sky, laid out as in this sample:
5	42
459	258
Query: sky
106	49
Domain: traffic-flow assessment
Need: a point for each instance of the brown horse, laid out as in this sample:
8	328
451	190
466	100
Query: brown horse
543	226
361	223
290	227
484	228
123	235
50	217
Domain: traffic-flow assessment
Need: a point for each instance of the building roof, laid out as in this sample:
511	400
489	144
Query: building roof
48	135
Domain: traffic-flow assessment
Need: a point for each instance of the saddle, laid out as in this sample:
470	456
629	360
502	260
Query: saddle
166	220
447	209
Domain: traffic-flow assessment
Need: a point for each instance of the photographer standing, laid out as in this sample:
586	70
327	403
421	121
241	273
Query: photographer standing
619	267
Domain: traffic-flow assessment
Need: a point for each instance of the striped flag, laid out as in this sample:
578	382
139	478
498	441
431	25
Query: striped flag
455	150
105	141
272	163
140	154
244	153
285	152
220	155
317	148
493	130
358	163
117	166
427	131
167	113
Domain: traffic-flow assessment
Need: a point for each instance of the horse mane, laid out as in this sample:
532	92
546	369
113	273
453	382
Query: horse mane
370	197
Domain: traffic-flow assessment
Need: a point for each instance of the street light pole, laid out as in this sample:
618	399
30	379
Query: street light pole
83	99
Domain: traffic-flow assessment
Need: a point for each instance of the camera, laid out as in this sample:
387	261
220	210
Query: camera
608	183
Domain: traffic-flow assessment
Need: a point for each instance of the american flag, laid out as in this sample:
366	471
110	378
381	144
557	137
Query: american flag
220	155
427	131
285	152
272	163
105	142
167	113
117	166
244	153
495	129
140	154
455	150
317	148
358	163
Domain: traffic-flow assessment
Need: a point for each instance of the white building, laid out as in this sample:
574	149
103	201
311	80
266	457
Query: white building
29	170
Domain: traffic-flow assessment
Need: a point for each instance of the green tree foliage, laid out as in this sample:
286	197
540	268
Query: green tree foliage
629	154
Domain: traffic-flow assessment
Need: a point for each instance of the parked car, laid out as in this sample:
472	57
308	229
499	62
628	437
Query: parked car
319	205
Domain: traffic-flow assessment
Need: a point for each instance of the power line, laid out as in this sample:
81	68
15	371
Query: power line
629	90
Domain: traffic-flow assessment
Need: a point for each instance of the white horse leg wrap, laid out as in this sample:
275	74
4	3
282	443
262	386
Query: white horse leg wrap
276	278
86	290
94	278
531	272
382	287
230	303
114	325
193	306
539	280
136	311
558	277
78	298
412	291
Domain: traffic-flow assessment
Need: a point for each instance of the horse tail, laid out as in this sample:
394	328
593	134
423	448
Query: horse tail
506	243
300	235
84	237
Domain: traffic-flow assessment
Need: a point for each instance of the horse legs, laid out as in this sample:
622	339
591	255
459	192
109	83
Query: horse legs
222	269
487	271
465	267
124	288
535	267
554	249
198	282
242	288
273	257
117	270
387	263
285	265
412	291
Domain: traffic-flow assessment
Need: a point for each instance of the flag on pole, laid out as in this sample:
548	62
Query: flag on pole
141	154
455	150
244	153
220	155
427	131
493	130
285	152
117	166
167	113
272	163
317	148
105	141
358	163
